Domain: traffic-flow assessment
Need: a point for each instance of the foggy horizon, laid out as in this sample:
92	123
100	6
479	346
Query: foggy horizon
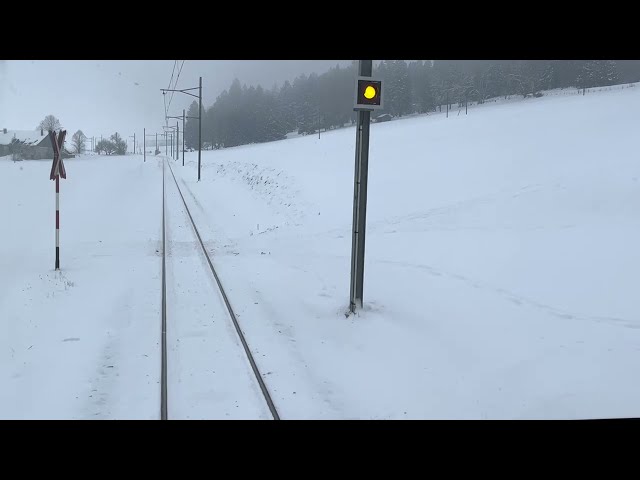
75	90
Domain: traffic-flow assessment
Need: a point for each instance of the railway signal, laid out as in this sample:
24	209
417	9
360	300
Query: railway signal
57	170
368	97
368	94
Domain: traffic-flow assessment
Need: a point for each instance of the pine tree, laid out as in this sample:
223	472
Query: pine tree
398	89
286	107
191	126
609	72
420	80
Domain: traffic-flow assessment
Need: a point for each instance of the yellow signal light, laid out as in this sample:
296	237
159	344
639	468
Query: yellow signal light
369	92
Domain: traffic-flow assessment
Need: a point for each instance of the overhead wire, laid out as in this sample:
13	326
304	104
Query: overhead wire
175	85
175	64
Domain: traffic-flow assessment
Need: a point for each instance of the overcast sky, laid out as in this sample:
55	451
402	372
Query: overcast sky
101	97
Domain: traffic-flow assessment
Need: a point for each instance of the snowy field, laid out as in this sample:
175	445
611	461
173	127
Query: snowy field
501	270
82	342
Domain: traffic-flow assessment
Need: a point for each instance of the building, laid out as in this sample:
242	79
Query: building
37	145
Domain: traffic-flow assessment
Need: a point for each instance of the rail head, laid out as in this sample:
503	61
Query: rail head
232	315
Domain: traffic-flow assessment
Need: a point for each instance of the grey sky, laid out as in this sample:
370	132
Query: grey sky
101	97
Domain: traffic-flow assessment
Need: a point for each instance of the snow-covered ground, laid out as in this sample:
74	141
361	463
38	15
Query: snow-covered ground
82	342
501	262
209	376
500	275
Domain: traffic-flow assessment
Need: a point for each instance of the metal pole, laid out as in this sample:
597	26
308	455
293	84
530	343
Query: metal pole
134	143
447	103
199	127
360	198
156	144
166	151
362	213
178	140
183	128
354	236
144	143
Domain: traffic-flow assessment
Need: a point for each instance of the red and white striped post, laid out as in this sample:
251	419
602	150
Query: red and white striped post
57	222
57	169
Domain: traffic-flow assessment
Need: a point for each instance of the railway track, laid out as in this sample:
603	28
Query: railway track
164	408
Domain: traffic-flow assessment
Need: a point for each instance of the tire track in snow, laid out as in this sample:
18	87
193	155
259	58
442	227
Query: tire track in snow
516	298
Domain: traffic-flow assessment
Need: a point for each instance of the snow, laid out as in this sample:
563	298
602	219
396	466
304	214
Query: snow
82	342
209	375
30	137
500	273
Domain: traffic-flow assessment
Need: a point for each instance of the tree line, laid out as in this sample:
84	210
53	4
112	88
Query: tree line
242	115
51	123
113	145
110	146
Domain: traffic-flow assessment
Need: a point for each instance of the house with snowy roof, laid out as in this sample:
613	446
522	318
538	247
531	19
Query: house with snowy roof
36	143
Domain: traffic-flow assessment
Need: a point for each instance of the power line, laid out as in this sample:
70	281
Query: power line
175	64
179	72
175	85
178	77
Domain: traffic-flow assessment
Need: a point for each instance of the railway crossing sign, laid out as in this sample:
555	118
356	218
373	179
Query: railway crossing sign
57	168
57	171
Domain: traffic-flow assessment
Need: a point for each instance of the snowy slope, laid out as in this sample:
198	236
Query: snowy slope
501	262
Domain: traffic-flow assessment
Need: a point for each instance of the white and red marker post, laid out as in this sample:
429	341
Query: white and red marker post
57	170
